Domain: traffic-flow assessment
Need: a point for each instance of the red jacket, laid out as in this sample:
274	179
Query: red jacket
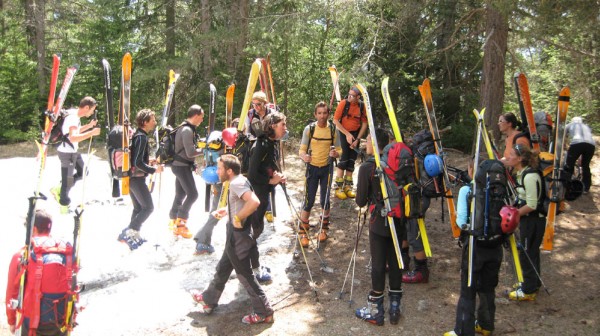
12	286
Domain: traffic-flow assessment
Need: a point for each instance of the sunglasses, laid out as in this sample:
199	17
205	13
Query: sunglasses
257	104
519	149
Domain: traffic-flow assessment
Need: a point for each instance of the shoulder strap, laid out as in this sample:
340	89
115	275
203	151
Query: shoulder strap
346	109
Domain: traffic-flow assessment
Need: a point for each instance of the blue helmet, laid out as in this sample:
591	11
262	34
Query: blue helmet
433	165
209	175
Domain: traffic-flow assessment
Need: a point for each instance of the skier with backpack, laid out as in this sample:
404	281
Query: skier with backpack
581	144
509	125
350	119
141	167
70	133
531	194
320	145
185	151
488	223
380	240
50	266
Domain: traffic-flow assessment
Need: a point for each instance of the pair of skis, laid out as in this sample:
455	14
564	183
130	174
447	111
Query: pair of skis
526	111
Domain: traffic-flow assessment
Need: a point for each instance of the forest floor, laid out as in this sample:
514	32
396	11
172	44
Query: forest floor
146	292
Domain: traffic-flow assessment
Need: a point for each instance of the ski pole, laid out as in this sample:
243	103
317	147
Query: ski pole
520	246
352	262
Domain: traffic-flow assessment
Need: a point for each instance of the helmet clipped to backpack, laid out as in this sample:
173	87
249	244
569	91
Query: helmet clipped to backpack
433	165
230	136
510	219
209	175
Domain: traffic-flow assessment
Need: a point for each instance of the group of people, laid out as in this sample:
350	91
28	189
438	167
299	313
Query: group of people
324	142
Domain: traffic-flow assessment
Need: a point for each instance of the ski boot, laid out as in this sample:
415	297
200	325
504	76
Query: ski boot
419	275
339	188
172	224
480	330
324	229
450	333
349	184
202	249
56	193
303	232
263	275
127	237
180	229
395	297
373	312
519	295
198	297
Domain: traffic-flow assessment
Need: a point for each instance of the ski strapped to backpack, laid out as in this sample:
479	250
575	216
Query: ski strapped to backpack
425	90
124	112
382	182
557	186
522	91
242	144
404	171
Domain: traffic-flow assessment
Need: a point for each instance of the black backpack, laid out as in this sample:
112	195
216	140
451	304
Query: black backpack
166	144
311	132
490	196
361	107
423	144
57	137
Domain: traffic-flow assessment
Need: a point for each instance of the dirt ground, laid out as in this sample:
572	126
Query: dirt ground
145	292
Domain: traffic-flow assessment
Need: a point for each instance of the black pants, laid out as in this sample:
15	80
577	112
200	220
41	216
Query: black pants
241	264
383	254
257	219
204	235
316	178
349	155
142	202
486	265
186	192
532	233
69	162
586	151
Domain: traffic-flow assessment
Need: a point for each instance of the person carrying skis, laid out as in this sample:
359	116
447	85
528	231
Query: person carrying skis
381	245
264	174
239	245
509	125
253	129
70	158
49	324
533	223
350	119
486	267
141	167
581	144
183	165
320	145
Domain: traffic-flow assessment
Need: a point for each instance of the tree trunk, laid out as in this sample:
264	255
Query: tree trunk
207	43
492	84
170	29
35	30
450	103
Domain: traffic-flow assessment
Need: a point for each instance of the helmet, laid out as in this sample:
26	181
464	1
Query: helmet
510	218
209	175
229	136
433	165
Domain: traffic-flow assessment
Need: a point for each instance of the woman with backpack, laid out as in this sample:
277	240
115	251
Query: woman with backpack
508	124
529	198
380	242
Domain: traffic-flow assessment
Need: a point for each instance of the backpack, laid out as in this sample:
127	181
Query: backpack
545	170
490	196
398	164
50	270
361	107
241	149
311	132
115	153
423	144
394	195
544	126
57	137
166	144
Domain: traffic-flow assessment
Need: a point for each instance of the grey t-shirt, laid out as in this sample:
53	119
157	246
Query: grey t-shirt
580	132
237	188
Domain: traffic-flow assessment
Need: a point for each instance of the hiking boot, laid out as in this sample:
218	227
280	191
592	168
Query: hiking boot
180	229
254	319
263	275
269	217
480	330
56	193
202	249
304	240
373	312
323	235
126	237
395	297
519	295
348	191
198	298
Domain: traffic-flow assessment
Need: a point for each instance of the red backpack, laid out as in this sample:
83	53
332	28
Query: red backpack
49	282
398	164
